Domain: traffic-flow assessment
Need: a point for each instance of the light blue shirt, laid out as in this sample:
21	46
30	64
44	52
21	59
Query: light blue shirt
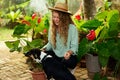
72	42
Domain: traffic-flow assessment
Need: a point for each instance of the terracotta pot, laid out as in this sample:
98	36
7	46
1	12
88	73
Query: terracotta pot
38	75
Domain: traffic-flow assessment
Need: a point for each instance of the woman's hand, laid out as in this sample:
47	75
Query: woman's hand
43	49
68	54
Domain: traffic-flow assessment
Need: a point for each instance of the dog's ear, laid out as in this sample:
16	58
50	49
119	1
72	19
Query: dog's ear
27	54
38	53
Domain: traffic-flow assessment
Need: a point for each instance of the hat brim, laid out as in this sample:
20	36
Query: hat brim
60	10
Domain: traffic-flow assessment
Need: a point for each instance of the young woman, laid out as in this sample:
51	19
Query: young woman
62	36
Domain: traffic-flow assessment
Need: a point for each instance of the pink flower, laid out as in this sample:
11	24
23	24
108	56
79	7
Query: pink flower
91	36
78	17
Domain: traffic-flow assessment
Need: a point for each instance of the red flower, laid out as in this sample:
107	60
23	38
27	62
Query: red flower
33	16
45	31
39	20
25	22
91	36
78	17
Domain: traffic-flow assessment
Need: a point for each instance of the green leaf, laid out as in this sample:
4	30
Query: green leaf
112	19
92	24
9	44
103	60
96	76
101	15
83	48
103	53
114	49
21	29
37	43
13	45
26	49
104	33
14	15
113	16
97	31
107	5
46	22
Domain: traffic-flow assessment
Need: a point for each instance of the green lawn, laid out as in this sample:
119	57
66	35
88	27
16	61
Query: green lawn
5	34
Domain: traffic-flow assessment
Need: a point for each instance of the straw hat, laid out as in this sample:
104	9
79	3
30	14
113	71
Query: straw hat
61	7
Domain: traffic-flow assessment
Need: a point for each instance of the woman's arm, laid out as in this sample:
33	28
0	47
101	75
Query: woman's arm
74	40
73	45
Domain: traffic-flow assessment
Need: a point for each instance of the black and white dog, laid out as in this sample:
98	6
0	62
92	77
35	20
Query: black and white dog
52	67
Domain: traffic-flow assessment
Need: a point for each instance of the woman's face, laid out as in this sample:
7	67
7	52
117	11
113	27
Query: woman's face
55	17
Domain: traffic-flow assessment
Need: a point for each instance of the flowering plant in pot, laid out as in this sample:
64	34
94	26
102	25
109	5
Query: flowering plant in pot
106	26
91	57
30	33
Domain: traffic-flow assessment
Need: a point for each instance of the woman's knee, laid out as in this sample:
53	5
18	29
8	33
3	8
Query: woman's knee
71	63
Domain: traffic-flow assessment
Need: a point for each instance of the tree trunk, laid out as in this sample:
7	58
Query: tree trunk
66	1
89	9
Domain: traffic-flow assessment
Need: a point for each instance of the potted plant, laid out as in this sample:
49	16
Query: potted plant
92	62
106	26
30	33
36	69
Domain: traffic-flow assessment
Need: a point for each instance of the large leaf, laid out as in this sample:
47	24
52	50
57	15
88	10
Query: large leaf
37	43
83	48
101	15
13	45
46	21
103	33
103	53
21	29
112	16
112	19
96	76
114	49
92	24
14	15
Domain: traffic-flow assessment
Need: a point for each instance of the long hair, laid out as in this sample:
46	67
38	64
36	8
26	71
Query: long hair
62	28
